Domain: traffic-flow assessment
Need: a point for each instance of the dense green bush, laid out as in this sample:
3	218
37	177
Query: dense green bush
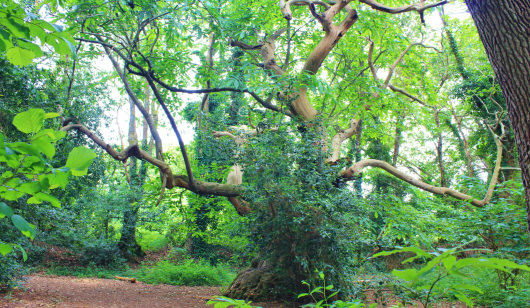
11	271
101	252
151	240
189	273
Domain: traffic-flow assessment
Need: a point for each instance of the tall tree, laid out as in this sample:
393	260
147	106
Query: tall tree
294	184
504	28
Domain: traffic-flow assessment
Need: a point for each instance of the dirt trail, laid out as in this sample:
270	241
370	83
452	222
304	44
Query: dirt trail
71	292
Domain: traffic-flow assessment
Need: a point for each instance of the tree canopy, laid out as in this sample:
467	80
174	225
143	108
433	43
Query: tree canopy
317	121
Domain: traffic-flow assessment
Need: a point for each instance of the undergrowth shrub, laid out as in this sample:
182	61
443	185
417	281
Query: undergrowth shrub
151	240
101	252
189	273
11	272
89	271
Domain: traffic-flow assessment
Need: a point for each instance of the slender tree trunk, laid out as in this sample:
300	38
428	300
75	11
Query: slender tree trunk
397	141
127	244
439	151
504	28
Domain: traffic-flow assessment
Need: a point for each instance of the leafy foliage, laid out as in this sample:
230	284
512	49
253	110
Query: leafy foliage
189	273
443	265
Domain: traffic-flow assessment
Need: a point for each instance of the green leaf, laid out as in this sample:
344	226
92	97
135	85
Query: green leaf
30	188
23	226
419	252
466	286
5	210
20	56
79	160
56	179
54	135
51	115
29	121
449	262
61	45
39	197
12	195
463	298
25	148
407	274
30	46
5	40
24	254
45	145
5	248
16	28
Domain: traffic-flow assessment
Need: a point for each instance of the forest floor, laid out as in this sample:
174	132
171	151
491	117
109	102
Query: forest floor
72	292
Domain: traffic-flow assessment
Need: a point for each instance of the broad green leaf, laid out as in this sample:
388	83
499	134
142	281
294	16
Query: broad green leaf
30	188
30	46
466	286
15	27
51	115
509	264
463	298
6	174
26	148
449	262
416	250
5	210
5	248
409	274
54	135
23	226
56	179
45	145
430	265
79	160
24	254
61	45
20	56
5	40
39	197
11	195
29	121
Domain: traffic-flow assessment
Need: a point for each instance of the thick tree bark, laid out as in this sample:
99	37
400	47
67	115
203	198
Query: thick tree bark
504	28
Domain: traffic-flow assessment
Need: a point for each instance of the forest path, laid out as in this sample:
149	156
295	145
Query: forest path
73	292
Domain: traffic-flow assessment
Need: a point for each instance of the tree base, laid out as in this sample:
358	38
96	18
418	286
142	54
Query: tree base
256	283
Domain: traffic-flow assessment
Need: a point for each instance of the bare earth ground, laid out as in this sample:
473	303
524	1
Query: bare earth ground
71	292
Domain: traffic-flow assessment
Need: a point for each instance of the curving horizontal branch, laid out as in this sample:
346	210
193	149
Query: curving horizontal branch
418	7
357	168
262	102
285	6
199	187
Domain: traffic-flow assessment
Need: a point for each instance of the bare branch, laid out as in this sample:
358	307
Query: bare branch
339	138
357	168
264	103
245	46
396	63
286	6
203	188
418	7
145	113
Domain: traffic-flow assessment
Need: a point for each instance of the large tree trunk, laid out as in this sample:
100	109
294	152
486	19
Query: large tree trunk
504	28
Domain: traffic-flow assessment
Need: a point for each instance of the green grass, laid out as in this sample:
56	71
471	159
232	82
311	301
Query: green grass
89	271
187	273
